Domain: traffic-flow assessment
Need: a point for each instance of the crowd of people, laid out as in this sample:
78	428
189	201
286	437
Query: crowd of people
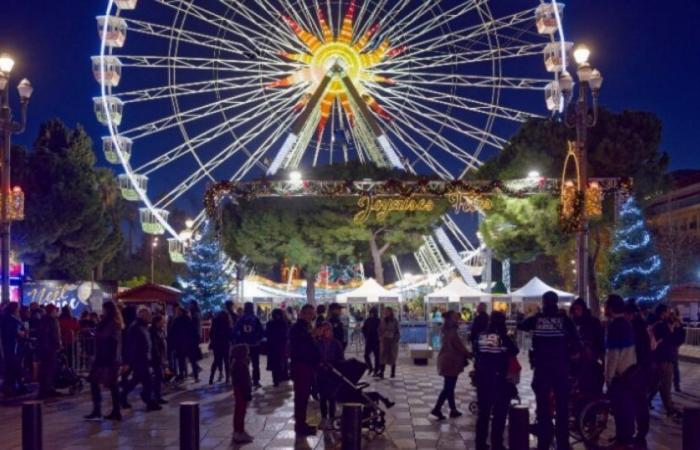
632	356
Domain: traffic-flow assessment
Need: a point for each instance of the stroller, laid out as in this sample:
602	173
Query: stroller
351	390
65	377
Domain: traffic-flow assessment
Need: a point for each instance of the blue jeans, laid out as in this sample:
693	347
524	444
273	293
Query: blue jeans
622	400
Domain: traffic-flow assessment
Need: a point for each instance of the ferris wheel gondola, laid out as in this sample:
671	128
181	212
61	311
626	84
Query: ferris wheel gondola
195	92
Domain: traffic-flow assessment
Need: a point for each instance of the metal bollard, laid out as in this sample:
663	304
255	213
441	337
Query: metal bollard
32	432
691	424
519	428
189	426
351	427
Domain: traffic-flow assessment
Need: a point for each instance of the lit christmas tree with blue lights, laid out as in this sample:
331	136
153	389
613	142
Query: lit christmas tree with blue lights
206	280
637	266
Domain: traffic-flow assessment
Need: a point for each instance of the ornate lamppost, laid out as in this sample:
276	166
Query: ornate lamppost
581	115
8	127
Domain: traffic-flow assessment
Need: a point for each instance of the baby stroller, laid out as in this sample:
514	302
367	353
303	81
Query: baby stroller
65	377
351	390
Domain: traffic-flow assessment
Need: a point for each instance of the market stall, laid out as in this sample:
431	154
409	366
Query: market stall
265	298
157	296
530	295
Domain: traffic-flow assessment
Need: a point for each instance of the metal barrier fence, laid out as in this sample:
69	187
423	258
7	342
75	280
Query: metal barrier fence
692	336
79	351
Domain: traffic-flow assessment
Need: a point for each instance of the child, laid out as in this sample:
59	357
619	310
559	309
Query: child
331	353
242	392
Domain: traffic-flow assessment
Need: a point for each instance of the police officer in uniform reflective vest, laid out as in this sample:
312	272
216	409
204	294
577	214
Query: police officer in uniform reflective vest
554	343
493	391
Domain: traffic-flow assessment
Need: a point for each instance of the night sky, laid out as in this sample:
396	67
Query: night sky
647	51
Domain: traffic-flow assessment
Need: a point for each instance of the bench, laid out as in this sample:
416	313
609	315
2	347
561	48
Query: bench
420	354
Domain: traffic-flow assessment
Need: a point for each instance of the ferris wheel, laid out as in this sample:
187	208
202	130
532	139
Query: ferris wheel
198	91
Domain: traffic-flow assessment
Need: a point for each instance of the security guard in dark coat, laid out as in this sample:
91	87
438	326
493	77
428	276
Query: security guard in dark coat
555	343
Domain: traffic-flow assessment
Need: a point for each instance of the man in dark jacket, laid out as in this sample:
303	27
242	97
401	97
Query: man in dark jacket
48	347
588	369
138	358
249	330
182	340
370	331
666	342
642	346
228	306
339	333
159	356
554	343
305	358
12	334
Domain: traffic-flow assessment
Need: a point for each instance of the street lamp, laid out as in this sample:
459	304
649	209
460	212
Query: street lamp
581	116
8	127
154	245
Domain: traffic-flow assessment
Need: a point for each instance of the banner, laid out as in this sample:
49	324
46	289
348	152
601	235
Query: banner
79	296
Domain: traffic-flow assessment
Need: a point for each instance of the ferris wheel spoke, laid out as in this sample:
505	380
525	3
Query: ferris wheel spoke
208	64
419	151
190	9
220	158
441	118
275	26
195	88
472	81
245	99
471	34
195	142
434	137
466	104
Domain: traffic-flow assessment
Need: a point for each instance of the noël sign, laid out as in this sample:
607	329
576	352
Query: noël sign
78	296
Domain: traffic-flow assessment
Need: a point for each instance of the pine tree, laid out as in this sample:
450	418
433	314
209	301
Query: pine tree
206	280
637	266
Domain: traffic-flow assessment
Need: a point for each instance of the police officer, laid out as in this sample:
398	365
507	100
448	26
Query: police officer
554	342
248	330
493	392
334	312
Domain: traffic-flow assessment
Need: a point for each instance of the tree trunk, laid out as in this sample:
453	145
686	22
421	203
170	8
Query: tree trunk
100	270
376	260
592	278
311	289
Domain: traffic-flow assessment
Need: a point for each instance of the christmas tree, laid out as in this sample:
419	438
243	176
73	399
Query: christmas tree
637	266
206	280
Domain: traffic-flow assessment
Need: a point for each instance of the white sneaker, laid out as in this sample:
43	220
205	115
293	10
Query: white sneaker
242	438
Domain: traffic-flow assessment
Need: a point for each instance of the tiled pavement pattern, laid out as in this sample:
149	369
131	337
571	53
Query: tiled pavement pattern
270	418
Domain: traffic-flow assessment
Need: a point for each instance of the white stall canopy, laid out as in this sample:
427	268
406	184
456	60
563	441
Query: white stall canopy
457	291
534	289
369	292
258	293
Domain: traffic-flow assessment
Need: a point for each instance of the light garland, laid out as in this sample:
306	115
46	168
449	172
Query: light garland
646	239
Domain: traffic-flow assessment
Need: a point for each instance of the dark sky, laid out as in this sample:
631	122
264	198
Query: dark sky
647	51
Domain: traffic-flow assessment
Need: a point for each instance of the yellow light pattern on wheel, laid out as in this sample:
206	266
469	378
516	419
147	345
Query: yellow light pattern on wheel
355	54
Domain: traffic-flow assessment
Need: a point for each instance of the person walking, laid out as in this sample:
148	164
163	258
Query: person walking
305	358
620	373
139	349
493	391
70	327
679	334
230	310
107	362
249	331
242	392
452	359
220	344
370	331
48	348
183	340
12	333
554	343
389	335
276	333
478	326
588	368
331	351
340	334
664	344
642	345
159	356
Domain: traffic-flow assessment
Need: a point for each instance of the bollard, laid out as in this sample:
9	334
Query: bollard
189	426
519	428
691	424
351	427
32	432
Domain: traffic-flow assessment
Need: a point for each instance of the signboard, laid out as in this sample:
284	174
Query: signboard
79	296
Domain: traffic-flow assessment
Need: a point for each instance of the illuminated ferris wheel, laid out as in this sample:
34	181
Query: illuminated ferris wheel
199	91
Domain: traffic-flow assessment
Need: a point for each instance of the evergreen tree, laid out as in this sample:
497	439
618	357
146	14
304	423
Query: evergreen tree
637	266
206	281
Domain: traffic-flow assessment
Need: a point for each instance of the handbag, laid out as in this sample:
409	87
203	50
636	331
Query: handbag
514	370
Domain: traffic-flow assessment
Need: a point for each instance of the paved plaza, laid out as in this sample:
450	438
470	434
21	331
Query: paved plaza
270	417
